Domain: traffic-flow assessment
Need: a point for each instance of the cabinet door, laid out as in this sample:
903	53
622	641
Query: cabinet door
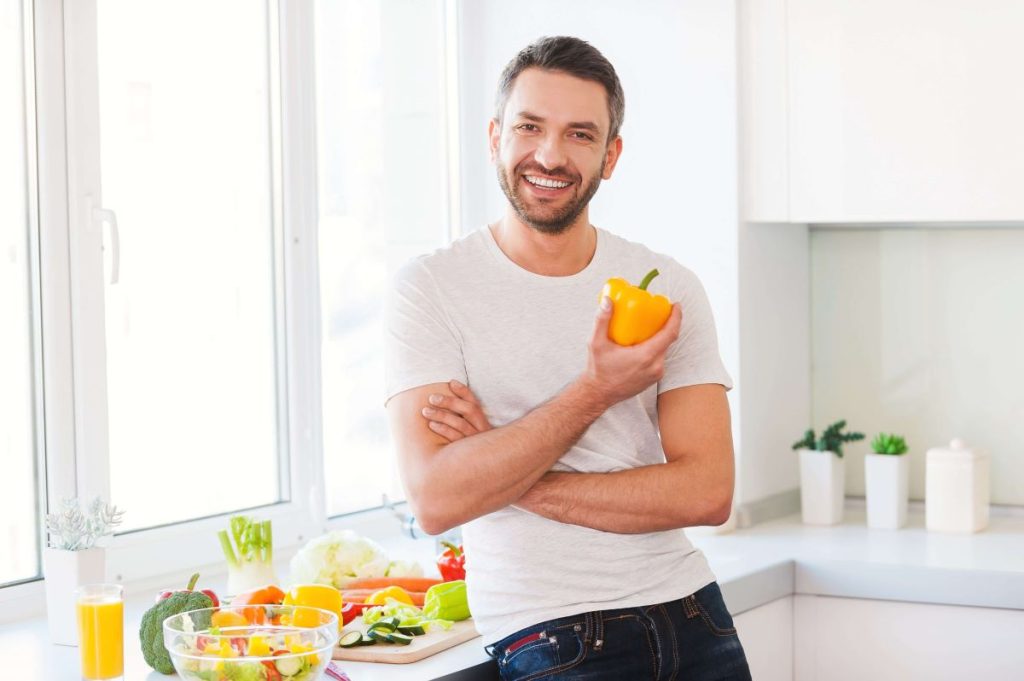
766	633
905	111
852	639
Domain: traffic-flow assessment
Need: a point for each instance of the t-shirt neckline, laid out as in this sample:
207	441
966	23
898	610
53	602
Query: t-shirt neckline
506	263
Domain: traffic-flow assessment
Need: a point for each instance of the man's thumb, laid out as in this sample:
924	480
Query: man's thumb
604	316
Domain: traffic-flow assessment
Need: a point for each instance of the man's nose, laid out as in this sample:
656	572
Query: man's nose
549	152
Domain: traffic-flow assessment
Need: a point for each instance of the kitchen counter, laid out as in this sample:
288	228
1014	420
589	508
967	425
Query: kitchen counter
754	566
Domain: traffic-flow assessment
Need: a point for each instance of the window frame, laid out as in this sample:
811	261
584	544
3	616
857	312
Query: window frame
62	128
187	544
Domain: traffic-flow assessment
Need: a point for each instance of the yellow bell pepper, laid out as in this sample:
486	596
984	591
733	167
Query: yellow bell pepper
258	647
322	596
381	597
637	314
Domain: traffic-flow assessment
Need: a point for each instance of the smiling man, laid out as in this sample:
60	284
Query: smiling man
571	462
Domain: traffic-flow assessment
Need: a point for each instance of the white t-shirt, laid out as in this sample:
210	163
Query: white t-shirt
516	338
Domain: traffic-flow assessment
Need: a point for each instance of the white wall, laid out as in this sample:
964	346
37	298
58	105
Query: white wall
675	188
919	331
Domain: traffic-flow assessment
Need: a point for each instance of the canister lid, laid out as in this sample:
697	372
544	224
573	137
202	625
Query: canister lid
957	451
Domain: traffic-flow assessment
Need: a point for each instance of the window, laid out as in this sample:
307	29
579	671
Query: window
186	167
383	198
19	530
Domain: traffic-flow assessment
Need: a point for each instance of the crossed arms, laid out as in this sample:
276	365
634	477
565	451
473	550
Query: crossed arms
456	467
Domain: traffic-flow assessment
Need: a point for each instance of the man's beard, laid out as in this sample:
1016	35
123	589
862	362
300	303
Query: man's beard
545	218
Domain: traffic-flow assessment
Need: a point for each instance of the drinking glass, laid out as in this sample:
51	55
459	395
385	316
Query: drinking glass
100	610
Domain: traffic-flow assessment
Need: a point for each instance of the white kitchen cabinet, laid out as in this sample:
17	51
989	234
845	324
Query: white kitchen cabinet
766	633
852	639
906	111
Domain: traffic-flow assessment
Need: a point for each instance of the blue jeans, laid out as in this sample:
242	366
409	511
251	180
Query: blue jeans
690	639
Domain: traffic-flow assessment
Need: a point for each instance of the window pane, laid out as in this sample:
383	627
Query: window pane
186	143
382	197
18	516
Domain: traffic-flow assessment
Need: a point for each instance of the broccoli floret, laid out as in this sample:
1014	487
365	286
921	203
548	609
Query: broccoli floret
151	632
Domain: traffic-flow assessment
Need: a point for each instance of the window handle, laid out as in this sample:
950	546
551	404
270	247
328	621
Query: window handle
106	216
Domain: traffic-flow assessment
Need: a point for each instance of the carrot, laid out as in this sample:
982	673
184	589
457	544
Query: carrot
407	583
360	596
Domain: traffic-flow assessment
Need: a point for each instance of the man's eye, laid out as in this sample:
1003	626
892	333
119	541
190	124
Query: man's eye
529	127
583	136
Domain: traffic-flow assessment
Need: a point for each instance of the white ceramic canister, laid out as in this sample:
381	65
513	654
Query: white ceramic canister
956	488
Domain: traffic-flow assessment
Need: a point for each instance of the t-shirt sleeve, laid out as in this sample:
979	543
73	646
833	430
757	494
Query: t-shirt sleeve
693	358
421	345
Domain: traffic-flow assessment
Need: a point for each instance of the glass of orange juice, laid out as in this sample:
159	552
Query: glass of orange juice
101	631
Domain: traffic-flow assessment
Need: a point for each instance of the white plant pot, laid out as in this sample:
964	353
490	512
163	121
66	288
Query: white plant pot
63	572
887	480
822	477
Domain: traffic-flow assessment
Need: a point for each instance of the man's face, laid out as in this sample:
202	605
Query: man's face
550	149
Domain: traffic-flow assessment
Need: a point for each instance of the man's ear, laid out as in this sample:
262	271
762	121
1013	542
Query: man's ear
612	157
494	137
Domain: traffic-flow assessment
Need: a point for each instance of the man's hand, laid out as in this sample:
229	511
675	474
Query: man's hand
457	417
619	372
614	371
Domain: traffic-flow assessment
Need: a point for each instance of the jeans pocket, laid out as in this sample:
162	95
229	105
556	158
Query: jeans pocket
553	651
707	602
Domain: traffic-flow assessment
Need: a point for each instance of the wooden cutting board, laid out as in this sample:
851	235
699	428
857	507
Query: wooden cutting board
421	646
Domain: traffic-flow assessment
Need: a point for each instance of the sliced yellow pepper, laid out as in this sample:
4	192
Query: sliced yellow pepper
637	314
381	597
258	647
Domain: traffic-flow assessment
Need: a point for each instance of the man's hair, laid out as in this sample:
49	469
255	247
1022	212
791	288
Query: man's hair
572	56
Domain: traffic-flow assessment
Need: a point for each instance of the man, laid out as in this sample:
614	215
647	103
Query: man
571	462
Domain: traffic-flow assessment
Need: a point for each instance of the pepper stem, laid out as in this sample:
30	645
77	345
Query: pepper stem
456	551
647	280
192	582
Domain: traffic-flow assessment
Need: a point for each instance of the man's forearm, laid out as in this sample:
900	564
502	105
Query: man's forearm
646	499
477	475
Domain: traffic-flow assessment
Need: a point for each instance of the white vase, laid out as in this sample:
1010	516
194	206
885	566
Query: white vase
63	572
821	487
886	482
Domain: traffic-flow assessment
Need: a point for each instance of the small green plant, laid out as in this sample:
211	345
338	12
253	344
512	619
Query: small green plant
888	444
832	439
74	529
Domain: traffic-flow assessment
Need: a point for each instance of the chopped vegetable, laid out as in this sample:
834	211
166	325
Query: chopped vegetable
447	601
398	593
352	638
250	556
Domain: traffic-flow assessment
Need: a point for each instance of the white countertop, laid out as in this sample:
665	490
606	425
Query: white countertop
754	566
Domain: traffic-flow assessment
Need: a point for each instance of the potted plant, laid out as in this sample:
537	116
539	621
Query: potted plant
886	482
72	559
822	477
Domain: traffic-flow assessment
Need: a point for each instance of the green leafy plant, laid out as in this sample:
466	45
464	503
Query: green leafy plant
73	529
832	439
889	444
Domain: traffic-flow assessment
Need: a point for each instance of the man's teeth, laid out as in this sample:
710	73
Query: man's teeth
544	182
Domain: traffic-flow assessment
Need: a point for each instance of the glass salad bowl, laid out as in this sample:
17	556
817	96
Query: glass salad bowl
251	643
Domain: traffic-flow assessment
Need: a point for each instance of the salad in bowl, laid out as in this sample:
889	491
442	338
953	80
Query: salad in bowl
251	643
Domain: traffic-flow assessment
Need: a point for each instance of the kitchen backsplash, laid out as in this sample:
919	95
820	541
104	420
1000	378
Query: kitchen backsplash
920	331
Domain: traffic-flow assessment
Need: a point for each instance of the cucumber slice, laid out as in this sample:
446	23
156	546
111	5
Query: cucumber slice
412	630
350	639
378	634
288	666
400	639
367	641
382	625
